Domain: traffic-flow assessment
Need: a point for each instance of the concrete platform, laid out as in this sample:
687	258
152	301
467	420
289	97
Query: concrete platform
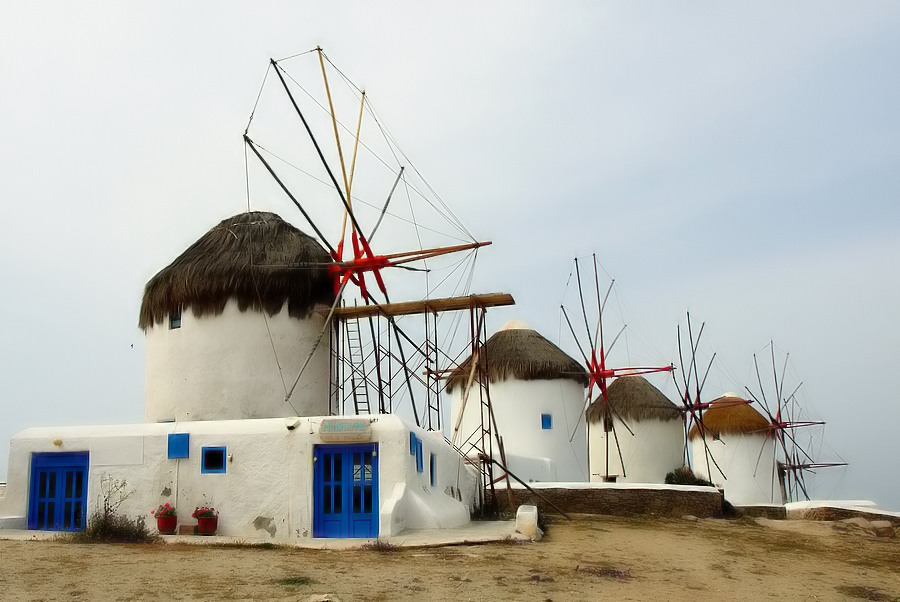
476	532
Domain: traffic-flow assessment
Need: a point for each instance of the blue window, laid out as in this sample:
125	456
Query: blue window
212	460
175	318
412	444
432	469
546	421
178	445
419	460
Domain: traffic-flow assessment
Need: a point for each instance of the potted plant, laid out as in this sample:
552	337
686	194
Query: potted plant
207	520
166	518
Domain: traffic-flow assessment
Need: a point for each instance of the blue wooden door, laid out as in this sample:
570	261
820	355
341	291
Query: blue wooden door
58	493
345	490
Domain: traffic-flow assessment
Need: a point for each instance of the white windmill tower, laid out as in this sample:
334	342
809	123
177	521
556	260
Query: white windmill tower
232	318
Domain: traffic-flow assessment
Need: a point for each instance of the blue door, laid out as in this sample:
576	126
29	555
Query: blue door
345	490
58	493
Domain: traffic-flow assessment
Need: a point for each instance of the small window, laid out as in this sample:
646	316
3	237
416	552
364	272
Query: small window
607	423
412	444
546	421
175	318
178	445
213	460
420	467
432	469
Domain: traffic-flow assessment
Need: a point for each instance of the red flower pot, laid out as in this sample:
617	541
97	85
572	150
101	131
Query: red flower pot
207	526
167	524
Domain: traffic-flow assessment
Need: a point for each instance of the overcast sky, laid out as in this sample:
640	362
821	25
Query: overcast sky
739	162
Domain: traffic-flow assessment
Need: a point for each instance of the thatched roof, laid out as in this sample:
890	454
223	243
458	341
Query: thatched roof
634	398
517	351
733	415
254	258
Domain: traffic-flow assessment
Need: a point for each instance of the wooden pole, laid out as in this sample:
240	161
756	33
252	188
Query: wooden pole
337	139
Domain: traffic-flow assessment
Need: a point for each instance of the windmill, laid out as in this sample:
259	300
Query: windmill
790	461
595	346
689	383
369	354
371	349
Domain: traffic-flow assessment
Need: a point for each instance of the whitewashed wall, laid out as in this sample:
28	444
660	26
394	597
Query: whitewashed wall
412	502
224	368
266	490
531	450
655	448
745	470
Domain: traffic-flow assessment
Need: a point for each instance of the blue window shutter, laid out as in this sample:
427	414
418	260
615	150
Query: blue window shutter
412	444
419	460
179	445
546	421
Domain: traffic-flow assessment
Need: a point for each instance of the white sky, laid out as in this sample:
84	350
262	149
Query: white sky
736	161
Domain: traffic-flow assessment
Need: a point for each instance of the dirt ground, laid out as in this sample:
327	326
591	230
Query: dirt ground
589	558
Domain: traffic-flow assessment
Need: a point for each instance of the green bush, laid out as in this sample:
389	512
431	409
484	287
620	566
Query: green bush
110	527
684	476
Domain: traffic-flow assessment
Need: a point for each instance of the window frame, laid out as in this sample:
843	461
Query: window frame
432	469
546	421
213	448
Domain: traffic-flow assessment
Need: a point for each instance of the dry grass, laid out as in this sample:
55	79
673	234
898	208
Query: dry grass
589	558
863	592
381	545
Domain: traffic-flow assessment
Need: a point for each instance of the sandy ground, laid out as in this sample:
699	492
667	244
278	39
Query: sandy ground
589	558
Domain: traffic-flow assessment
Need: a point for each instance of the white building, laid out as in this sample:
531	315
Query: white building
282	478
638	438
537	395
228	325
741	451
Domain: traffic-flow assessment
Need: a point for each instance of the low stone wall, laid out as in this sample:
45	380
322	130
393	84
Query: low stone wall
770	512
833	513
702	502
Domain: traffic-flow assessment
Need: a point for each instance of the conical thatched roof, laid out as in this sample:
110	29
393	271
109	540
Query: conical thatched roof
517	351
253	257
634	398
733	415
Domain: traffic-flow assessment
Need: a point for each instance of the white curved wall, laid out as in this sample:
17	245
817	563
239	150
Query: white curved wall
745	467
223	367
656	448
518	405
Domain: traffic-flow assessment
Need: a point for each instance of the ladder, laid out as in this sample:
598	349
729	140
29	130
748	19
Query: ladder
358	384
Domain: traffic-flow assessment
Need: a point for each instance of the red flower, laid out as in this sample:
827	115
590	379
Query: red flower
204	512
166	509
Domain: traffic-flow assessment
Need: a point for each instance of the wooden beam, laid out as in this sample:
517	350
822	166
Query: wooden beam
425	306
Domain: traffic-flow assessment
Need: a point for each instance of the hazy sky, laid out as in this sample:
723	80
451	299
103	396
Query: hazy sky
739	162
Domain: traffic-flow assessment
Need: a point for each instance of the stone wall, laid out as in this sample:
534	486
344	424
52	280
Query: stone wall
671	501
832	513
770	512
